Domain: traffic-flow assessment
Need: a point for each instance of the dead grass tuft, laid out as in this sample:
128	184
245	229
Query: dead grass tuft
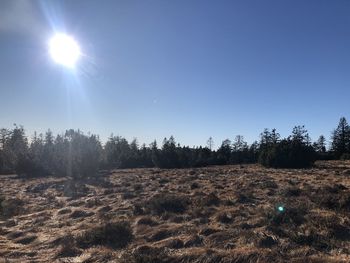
147	220
162	203
224	217
115	235
11	207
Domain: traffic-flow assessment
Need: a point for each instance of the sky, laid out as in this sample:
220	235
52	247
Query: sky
188	68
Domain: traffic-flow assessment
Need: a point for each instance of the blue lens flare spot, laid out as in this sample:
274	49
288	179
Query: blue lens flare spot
280	208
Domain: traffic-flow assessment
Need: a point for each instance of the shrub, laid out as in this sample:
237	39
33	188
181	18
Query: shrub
115	235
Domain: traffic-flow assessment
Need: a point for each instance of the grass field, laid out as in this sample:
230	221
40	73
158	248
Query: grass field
214	214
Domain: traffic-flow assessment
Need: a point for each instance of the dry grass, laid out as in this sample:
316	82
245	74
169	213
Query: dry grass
205	215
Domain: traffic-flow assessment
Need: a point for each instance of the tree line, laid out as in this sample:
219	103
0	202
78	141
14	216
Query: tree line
76	154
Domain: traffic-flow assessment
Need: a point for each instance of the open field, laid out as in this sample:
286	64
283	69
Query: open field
214	214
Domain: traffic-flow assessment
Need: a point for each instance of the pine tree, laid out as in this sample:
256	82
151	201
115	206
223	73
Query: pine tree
224	152
320	144
300	134
341	138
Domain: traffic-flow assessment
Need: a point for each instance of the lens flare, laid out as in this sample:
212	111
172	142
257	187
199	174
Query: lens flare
280	208
64	50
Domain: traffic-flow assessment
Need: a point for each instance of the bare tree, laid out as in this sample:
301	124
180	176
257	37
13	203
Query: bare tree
210	143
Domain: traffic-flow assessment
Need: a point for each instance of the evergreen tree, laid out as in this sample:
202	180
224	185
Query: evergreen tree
320	144
275	136
253	152
240	151
292	152
224	152
341	139
6	164
300	134
18	149
265	138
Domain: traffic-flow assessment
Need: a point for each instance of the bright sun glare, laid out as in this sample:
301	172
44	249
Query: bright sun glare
64	50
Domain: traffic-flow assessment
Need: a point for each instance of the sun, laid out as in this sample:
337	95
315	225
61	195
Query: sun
64	50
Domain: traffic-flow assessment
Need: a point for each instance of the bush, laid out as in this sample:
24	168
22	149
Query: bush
115	235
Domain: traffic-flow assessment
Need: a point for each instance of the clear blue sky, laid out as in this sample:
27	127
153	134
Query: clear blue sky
191	69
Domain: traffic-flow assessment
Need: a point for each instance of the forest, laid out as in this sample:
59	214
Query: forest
76	154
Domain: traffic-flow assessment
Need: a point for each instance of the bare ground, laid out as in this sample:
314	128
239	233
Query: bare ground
214	214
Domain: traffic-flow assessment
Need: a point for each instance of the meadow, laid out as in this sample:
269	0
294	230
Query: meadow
232	213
